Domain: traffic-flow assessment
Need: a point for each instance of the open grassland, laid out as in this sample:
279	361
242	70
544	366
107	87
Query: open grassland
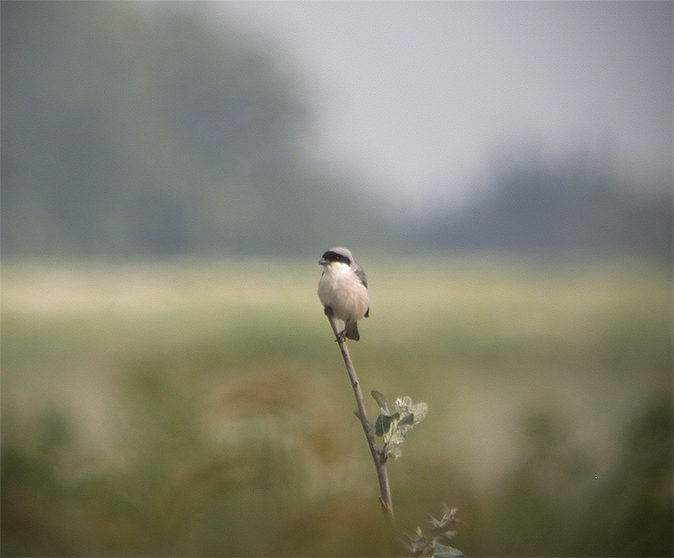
201	408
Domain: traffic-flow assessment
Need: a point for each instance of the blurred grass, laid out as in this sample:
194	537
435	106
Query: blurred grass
201	408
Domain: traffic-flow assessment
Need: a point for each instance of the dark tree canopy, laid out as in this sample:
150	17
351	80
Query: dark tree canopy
129	128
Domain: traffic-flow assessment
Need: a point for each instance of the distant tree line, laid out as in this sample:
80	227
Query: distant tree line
129	128
574	205
141	128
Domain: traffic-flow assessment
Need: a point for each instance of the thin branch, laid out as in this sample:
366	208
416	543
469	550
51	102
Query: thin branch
377	456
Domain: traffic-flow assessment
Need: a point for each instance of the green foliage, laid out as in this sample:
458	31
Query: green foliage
394	426
554	491
189	408
637	508
441	534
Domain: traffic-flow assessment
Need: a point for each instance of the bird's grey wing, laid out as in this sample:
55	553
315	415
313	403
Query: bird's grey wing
361	274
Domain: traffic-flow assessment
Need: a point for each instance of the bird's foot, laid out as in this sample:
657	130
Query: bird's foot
341	336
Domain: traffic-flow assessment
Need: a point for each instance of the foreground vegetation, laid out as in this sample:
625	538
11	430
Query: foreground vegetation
201	408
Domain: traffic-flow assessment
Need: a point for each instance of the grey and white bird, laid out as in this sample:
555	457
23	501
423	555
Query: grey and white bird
342	289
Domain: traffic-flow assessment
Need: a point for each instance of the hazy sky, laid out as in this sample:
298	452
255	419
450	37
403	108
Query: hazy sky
417	95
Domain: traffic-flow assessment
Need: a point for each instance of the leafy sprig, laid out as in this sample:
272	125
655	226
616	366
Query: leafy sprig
441	533
393	426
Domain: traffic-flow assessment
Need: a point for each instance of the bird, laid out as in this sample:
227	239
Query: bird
342	289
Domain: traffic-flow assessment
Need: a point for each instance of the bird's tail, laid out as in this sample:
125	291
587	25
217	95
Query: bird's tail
352	331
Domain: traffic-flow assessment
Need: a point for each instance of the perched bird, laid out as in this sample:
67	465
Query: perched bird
342	289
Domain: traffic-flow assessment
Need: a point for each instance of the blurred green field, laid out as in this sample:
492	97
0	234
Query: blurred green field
201	408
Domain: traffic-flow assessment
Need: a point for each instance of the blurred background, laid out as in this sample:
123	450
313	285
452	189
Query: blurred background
171	173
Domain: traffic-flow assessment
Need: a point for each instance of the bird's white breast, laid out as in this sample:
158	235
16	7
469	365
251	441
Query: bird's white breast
343	291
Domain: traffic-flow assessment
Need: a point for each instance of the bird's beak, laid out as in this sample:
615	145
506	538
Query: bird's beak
323	261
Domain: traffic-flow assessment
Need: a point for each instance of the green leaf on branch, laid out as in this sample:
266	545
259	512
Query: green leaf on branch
407	419
393	427
380	398
382	425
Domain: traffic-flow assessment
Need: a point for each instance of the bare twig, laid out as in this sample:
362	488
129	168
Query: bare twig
377	456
